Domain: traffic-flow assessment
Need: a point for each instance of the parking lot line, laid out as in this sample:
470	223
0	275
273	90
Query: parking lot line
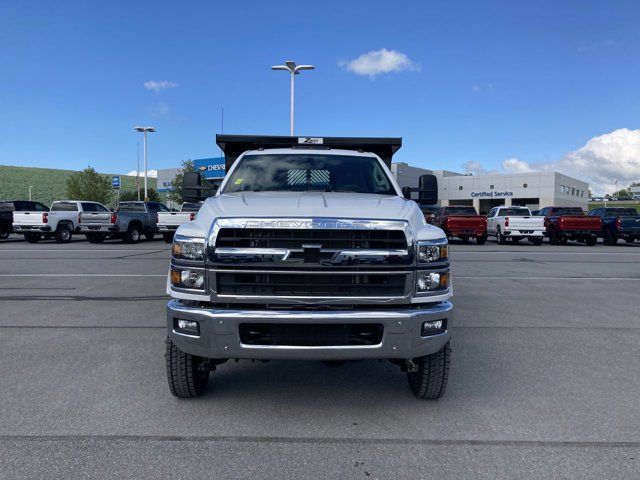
323	440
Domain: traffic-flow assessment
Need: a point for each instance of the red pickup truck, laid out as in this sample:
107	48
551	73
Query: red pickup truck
570	223
463	222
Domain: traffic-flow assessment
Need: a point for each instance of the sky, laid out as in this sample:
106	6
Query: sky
469	86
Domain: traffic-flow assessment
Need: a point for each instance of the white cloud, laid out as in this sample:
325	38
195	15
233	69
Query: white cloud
157	86
603	160
150	173
380	61
513	165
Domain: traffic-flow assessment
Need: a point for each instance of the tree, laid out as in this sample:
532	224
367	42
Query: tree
175	194
624	193
89	185
132	195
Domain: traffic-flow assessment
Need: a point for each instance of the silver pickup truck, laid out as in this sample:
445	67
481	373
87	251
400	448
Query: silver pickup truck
309	251
168	222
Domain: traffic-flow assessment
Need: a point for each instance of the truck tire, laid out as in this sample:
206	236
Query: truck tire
95	237
430	381
167	237
536	240
4	235
554	238
481	240
628	239
609	238
591	241
464	239
149	236
515	239
132	235
500	239
63	233
32	237
187	374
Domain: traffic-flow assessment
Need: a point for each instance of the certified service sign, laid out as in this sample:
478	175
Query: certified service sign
210	167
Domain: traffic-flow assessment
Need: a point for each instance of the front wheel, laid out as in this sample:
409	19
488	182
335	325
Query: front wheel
167	237
628	239
481	239
187	374
554	237
500	239
430	380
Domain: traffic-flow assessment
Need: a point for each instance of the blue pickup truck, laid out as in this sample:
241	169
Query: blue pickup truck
618	222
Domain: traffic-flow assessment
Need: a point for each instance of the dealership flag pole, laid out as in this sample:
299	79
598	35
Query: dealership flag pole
144	130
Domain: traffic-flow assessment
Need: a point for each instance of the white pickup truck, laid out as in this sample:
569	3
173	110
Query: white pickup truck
64	218
168	222
309	250
515	223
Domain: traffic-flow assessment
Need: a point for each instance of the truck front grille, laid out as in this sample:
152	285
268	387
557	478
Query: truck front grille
314	335
296	238
310	284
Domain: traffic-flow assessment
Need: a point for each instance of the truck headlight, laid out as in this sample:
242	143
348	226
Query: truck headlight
433	251
431	281
188	248
187	278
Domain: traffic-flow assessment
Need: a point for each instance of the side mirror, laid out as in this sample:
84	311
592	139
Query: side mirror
406	192
191	185
428	190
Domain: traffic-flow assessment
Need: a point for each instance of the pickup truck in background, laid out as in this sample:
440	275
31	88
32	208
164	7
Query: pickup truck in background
61	221
463	222
618	222
7	208
515	223
429	212
570	223
168	222
95	221
131	220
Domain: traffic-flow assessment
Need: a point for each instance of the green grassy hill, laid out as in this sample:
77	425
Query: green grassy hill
48	184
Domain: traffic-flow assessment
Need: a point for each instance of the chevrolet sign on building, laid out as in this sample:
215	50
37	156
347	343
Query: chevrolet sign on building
210	168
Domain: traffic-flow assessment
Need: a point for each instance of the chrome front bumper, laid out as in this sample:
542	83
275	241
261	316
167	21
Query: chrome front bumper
220	338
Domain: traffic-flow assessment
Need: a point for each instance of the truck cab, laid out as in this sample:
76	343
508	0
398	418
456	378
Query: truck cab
308	251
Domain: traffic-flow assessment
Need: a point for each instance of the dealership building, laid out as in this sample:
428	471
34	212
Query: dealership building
532	189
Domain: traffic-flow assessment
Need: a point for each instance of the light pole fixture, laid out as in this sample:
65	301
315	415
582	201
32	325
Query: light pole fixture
145	130
293	69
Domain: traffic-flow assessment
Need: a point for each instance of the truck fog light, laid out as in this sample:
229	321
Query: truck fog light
186	278
188	327
434	327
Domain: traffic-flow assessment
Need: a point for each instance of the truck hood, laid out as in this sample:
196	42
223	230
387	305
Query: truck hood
310	204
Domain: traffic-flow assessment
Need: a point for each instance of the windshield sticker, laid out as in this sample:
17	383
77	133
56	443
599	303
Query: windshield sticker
238	181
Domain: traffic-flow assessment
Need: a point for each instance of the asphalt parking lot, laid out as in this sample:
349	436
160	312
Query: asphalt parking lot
545	379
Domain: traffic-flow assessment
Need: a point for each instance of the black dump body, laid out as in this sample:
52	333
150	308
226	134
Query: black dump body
234	145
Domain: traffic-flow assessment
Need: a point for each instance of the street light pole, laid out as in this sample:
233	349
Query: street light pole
144	130
293	70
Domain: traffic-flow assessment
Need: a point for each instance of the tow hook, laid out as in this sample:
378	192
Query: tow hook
410	366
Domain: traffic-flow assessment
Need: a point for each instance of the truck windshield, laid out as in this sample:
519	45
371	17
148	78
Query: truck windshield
621	212
568	211
131	207
312	172
460	211
190	207
64	207
514	212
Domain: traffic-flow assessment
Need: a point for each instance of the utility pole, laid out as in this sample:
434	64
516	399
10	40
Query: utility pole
144	130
